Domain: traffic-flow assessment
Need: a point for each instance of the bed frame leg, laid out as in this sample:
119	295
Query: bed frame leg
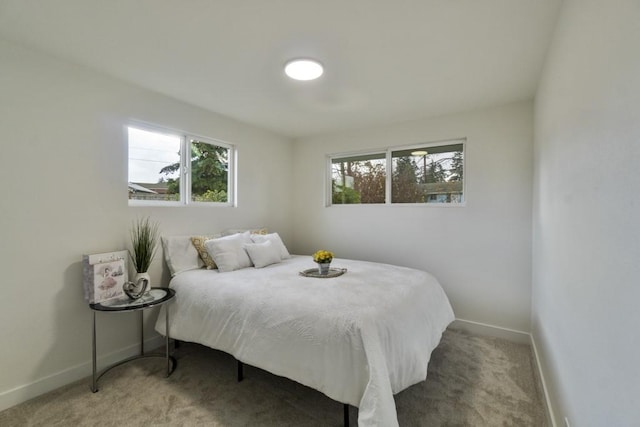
240	371
346	415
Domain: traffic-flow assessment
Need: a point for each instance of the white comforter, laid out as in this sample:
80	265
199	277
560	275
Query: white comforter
358	338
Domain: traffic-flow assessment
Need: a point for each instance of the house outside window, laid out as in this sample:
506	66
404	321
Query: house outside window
161	173
420	174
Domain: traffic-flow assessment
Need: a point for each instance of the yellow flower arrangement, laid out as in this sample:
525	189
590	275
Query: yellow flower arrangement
323	256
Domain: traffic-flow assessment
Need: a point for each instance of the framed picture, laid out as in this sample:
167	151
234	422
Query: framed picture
104	275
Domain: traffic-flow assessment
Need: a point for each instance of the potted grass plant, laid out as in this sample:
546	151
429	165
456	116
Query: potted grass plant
144	240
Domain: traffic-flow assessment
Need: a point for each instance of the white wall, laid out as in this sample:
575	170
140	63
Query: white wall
481	252
586	287
64	194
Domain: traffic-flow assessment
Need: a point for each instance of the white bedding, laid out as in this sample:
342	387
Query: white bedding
358	338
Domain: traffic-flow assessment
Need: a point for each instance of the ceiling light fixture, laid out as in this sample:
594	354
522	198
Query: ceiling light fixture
303	69
419	153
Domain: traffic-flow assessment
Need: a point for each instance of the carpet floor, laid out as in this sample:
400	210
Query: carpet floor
472	381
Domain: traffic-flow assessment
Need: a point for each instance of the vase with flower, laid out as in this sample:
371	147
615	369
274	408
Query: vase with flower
323	258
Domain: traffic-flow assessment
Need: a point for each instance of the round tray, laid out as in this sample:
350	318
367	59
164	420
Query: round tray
333	272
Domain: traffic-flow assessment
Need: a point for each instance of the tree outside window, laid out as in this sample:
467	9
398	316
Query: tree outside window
423	174
357	180
156	165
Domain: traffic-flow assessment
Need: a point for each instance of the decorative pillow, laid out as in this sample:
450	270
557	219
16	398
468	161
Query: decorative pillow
227	252
275	239
180	254
198	243
230	231
262	254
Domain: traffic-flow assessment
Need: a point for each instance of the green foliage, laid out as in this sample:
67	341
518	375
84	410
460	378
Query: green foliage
144	240
343	195
173	186
208	172
211	196
367	186
369	181
208	168
404	185
456	167
435	172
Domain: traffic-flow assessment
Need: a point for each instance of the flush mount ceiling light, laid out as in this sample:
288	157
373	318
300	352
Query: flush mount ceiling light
419	153
303	69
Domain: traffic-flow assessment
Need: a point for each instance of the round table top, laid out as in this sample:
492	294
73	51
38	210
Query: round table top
155	296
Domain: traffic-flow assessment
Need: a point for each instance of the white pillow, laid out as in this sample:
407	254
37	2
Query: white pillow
180	254
275	239
263	254
228	253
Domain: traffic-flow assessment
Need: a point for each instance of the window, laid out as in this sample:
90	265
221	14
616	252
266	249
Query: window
426	173
358	179
161	173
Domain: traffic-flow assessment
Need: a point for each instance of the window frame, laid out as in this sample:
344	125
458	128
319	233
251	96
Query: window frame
186	138
387	153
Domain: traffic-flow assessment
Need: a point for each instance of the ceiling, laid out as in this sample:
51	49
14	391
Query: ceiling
385	61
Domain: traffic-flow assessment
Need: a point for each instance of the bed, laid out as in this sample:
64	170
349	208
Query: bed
359	338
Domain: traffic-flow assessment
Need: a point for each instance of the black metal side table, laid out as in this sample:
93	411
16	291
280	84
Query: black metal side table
155	297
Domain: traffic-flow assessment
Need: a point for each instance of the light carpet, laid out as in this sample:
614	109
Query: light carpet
472	381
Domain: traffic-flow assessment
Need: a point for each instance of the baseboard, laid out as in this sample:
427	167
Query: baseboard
51	382
551	419
514	336
491	331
